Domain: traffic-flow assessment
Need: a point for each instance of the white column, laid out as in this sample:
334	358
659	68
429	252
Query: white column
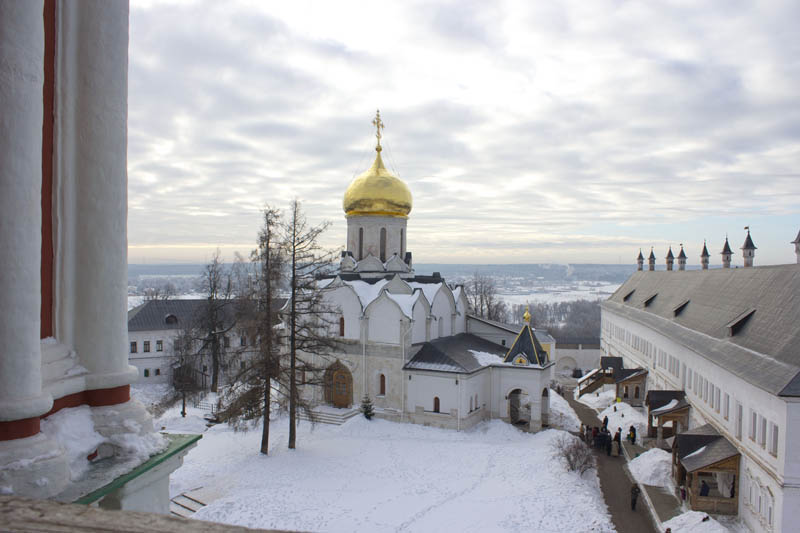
21	81
91	122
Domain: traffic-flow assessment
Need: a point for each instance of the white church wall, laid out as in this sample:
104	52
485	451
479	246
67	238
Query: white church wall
567	359
391	368
461	310
421	390
491	333
384	321
372	226
475	401
348	305
420	315
442	309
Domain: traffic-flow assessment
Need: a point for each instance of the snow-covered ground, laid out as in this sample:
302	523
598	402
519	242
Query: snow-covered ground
562	416
653	467
623	415
597	400
692	522
384	476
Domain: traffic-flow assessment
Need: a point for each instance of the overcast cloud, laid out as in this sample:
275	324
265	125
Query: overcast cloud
527	131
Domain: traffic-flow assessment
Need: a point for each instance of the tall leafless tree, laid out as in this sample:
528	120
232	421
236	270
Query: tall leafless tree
217	317
308	317
250	395
481	293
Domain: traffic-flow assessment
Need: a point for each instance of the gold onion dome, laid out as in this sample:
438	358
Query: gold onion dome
377	192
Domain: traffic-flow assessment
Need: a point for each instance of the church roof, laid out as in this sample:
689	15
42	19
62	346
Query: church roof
528	345
743	319
705	253
453	354
748	243
727	248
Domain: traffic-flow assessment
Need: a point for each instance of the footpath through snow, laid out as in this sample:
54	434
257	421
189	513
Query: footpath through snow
383	476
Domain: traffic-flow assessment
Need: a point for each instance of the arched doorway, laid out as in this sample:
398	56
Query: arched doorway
545	407
338	385
519	408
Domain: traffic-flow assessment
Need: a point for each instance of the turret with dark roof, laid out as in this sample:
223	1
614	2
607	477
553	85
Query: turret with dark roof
748	250
651	261
682	259
704	256
726	254
670	259
640	260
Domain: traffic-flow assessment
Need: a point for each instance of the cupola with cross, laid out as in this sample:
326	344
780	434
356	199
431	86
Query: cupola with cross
526	349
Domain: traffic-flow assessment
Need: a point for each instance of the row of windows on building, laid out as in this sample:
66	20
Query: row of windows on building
147	372
762	431
146	345
382	244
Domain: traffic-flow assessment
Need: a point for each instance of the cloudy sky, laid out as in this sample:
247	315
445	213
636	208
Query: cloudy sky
528	132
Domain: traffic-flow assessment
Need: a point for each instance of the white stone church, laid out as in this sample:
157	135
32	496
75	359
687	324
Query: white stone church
406	339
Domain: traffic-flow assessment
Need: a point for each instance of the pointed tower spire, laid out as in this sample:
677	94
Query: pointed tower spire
726	254
682	259
651	261
748	249
670	259
704	256
640	261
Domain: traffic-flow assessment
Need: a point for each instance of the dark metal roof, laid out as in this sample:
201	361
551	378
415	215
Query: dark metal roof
669	254
656	399
682	255
624	374
452	354
763	351
641	257
611	362
702	447
727	248
152	315
705	251
748	243
541	334
528	345
652	255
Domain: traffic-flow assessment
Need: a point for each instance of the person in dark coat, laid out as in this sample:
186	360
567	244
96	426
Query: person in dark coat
632	435
605	421
635	490
608	443
704	488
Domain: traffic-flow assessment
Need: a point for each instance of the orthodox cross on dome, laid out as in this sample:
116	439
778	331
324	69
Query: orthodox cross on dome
527	316
378	123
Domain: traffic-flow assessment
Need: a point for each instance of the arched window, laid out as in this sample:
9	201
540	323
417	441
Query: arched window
435	404
383	385
383	245
625	392
360	244
341	326
636	391
470	404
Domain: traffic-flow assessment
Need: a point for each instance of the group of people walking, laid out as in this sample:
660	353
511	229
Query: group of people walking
600	438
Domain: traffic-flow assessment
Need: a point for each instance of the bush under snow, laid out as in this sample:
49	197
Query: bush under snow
653	467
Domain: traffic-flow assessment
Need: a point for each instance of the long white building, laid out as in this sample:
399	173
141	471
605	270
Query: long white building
730	340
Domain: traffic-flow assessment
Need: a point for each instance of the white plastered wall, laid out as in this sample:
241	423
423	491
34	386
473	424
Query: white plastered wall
372	233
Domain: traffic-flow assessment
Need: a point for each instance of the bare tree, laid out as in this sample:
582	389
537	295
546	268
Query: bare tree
481	293
165	291
249	397
573	453
217	317
308	316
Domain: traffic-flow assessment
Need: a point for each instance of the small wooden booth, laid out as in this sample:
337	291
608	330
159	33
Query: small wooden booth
706	466
631	383
666	407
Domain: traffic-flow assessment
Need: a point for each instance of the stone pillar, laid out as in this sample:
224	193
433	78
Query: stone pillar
22	400
91	144
21	82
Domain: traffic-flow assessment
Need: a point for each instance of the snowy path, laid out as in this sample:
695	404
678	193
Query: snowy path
383	476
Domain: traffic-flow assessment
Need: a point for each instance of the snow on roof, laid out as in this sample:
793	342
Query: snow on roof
405	301
696	452
366	292
430	289
457	292
486	358
588	375
672	403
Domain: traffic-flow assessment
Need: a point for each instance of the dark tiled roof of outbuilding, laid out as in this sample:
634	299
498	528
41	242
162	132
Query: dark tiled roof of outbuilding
152	315
656	399
528	345
702	447
541	334
624	374
763	352
452	354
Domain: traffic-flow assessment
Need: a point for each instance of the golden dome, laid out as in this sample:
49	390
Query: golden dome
377	192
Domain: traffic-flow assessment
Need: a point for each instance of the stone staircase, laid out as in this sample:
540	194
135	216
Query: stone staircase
325	414
184	505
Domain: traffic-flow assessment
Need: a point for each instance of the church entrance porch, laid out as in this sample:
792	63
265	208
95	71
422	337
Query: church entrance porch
519	408
338	385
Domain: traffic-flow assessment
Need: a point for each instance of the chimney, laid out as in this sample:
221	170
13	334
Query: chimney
640	259
651	261
796	243
726	254
704	256
748	249
670	259
682	259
